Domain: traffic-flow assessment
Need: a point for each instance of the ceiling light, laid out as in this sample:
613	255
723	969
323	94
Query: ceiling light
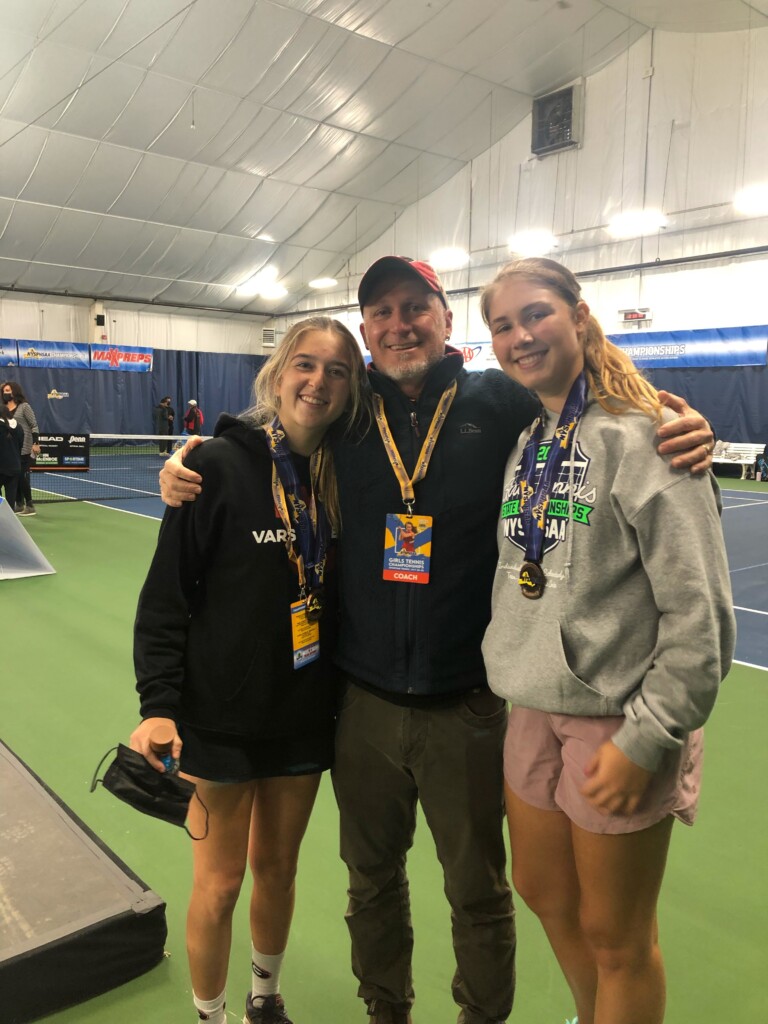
450	258
265	238
536	242
634	223
255	285
323	282
273	291
752	200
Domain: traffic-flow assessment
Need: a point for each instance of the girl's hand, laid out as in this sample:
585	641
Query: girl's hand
140	741
615	785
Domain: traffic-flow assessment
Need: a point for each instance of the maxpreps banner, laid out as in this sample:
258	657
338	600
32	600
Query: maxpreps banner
61	355
720	346
118	357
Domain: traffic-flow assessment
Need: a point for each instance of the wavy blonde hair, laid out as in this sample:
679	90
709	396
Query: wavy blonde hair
615	381
266	403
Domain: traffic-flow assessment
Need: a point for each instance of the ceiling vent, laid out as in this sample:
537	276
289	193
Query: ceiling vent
267	337
557	121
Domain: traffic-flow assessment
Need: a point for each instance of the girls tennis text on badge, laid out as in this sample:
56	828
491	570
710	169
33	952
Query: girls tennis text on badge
407	548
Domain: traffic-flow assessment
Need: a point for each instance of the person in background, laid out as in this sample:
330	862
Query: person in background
761	466
234	639
21	410
612	627
11	440
193	418
163	417
418	724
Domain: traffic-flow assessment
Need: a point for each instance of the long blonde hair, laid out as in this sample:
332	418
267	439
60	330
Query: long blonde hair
615	381
266	403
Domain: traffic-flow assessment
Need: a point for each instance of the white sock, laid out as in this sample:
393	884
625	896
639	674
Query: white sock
211	1010
265	973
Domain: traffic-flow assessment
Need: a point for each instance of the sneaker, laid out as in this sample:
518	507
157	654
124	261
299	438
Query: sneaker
28	510
18	508
271	1011
387	1013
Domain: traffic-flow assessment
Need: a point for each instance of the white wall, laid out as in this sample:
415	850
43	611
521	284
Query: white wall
678	123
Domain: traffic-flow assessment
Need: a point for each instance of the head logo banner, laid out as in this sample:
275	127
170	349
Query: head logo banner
717	346
119	357
479	356
59	355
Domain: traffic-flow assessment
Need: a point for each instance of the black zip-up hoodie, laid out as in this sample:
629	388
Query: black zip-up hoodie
212	642
424	639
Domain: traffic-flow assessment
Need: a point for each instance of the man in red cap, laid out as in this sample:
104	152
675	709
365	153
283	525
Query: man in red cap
418	724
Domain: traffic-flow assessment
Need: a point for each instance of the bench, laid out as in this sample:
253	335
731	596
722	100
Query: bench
735	453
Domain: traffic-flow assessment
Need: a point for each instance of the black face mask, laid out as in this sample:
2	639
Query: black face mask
7	398
164	795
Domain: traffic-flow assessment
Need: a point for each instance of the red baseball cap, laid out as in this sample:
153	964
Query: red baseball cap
399	266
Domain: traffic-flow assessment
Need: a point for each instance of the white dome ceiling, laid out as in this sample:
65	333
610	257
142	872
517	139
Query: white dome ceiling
164	151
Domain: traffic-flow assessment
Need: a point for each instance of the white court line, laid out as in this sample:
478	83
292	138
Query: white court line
748	664
112	508
746	504
100	483
745	568
754	611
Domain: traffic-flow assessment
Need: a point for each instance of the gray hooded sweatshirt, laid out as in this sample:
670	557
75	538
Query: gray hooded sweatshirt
636	618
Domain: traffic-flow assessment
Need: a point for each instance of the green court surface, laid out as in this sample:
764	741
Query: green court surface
67	696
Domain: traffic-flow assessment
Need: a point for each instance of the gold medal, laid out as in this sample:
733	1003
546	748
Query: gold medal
532	580
315	605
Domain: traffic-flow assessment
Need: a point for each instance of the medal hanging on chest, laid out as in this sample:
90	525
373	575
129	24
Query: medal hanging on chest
308	523
535	495
408	537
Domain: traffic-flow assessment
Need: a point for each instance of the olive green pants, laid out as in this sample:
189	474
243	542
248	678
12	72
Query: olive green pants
389	759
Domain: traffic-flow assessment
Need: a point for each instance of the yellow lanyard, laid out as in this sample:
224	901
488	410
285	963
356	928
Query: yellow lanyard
422	463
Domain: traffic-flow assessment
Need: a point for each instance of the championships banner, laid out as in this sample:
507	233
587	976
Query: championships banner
69	355
717	346
61	355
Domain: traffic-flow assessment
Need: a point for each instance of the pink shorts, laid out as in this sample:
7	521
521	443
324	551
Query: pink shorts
544	758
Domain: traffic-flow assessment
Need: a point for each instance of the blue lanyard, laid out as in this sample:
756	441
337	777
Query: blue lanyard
309	521
534	498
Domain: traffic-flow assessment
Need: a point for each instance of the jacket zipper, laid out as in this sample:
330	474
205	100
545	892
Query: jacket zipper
412	586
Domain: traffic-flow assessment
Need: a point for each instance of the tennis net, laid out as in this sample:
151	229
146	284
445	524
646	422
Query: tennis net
119	467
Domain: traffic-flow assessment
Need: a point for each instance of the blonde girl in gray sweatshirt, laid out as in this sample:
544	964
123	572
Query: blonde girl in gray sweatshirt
612	627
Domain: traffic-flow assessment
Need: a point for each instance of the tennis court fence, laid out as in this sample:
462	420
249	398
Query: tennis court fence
104	467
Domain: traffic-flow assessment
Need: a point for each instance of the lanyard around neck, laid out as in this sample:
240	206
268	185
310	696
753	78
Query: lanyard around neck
534	498
422	463
309	522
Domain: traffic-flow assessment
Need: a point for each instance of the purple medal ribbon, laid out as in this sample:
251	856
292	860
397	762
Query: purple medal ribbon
534	498
312	531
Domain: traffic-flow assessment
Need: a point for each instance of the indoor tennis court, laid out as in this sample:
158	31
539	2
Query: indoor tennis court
181	183
715	896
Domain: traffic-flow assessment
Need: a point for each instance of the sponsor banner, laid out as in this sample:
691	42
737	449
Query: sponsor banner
478	356
61	355
718	346
119	357
9	352
63	452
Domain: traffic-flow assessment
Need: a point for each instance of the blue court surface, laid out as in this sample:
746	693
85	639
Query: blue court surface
129	483
745	524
